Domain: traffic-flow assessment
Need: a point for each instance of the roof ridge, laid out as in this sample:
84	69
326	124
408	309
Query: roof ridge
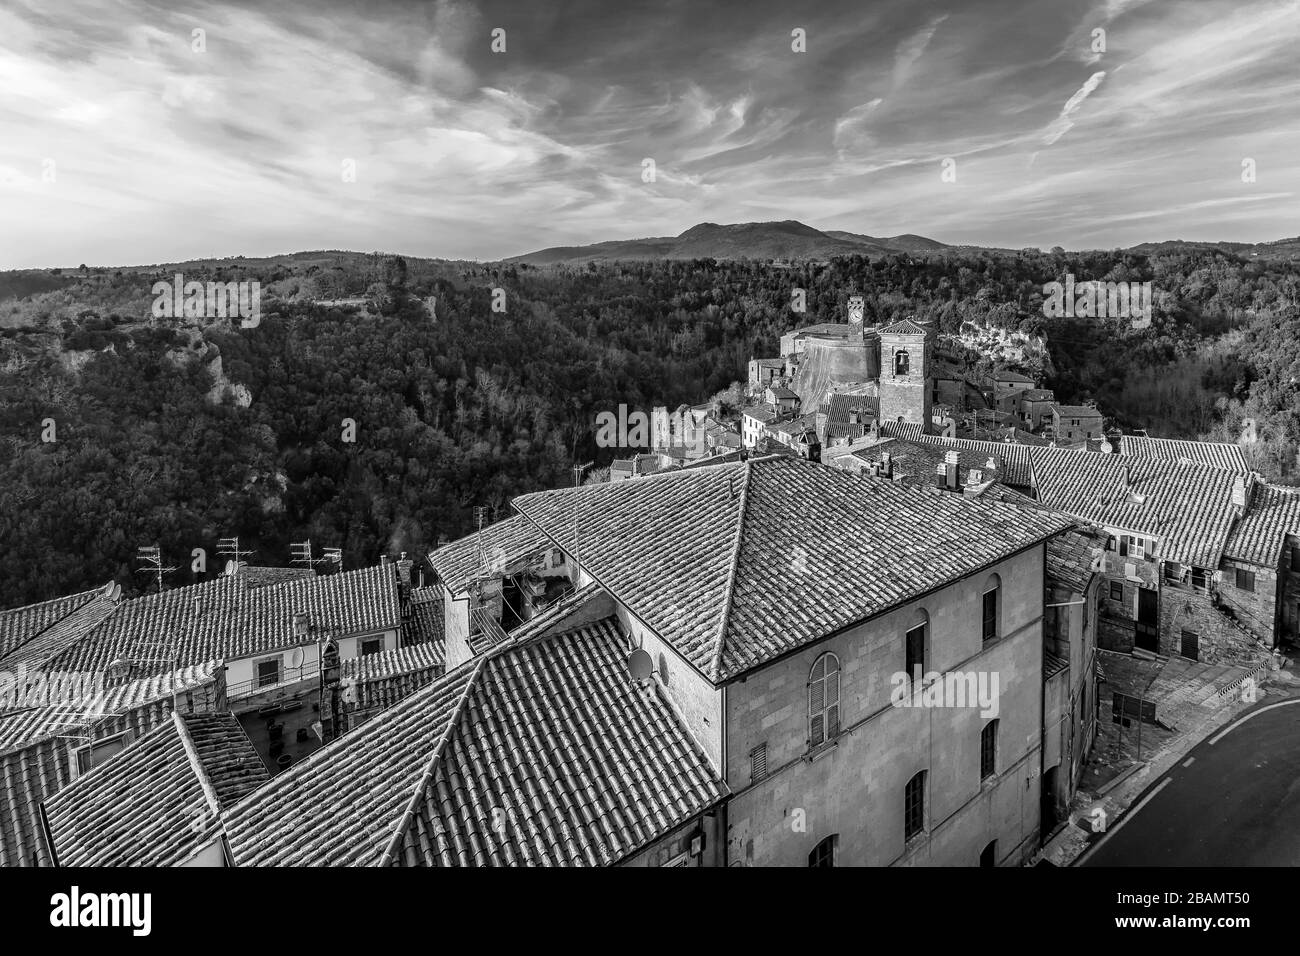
417	795
716	664
196	764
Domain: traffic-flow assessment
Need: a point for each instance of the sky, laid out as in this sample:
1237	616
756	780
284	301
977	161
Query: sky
128	138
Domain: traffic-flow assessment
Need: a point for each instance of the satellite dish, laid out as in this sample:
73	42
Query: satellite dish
639	664
296	657
115	593
230	567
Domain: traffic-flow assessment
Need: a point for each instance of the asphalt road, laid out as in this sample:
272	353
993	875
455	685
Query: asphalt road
1236	804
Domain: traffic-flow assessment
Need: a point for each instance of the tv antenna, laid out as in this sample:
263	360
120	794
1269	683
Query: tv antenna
229	547
152	562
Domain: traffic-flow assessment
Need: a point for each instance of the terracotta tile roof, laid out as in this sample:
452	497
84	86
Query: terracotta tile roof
229	618
1006	375
905	327
721	561
1076	411
427	619
1016	459
919	461
912	431
63	634
760	413
795	426
158	801
544	752
1218	454
1260	535
839	407
1188	507
1037	395
19	625
458	564
380	680
1053	664
780	391
1070	556
35	760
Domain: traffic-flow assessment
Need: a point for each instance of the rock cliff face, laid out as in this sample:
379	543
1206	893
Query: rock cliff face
827	363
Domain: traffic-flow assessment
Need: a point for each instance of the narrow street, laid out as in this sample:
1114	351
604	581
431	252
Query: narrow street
1233	801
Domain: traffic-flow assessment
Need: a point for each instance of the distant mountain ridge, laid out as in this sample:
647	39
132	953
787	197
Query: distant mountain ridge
791	239
788	239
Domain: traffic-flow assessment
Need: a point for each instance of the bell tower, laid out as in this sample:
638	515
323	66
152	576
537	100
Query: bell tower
905	373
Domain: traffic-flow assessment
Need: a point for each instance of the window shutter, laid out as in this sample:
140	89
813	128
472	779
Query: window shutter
1123	546
817	697
833	721
1148	550
758	762
817	734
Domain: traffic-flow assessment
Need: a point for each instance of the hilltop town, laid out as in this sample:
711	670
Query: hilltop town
878	612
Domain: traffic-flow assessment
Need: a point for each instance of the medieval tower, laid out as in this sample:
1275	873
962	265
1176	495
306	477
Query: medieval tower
905	373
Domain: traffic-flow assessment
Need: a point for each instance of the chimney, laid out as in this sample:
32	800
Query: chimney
404	566
1240	495
198	606
991	465
887	465
974	477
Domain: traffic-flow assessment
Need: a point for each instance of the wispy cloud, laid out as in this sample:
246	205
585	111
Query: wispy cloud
120	143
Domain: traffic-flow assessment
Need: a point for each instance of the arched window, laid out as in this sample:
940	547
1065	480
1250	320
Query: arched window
823	854
991	608
901	362
824	700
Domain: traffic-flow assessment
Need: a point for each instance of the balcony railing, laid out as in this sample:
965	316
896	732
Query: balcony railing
289	677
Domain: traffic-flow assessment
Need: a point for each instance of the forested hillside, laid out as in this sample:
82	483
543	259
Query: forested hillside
180	432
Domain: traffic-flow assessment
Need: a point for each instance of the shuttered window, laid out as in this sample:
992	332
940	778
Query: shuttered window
758	762
824	700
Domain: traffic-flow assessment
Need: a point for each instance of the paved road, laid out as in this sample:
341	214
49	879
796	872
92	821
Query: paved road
1236	804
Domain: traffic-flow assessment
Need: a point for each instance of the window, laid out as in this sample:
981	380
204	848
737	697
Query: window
824	700
1295	558
95	753
914	655
1123	546
758	762
557	558
268	672
823	854
1245	579
1173	571
901	362
1191	646
914	806
1116	590
1200	578
989	607
988	750
372	645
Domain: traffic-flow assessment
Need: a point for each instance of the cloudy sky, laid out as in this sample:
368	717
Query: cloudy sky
127	139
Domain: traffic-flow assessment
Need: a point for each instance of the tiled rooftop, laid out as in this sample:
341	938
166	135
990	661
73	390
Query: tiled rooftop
1188	506
36	744
543	752
19	625
157	802
1070	556
1218	454
721	561
232	617
1259	536
458	564
1076	411
1017	463
905	327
